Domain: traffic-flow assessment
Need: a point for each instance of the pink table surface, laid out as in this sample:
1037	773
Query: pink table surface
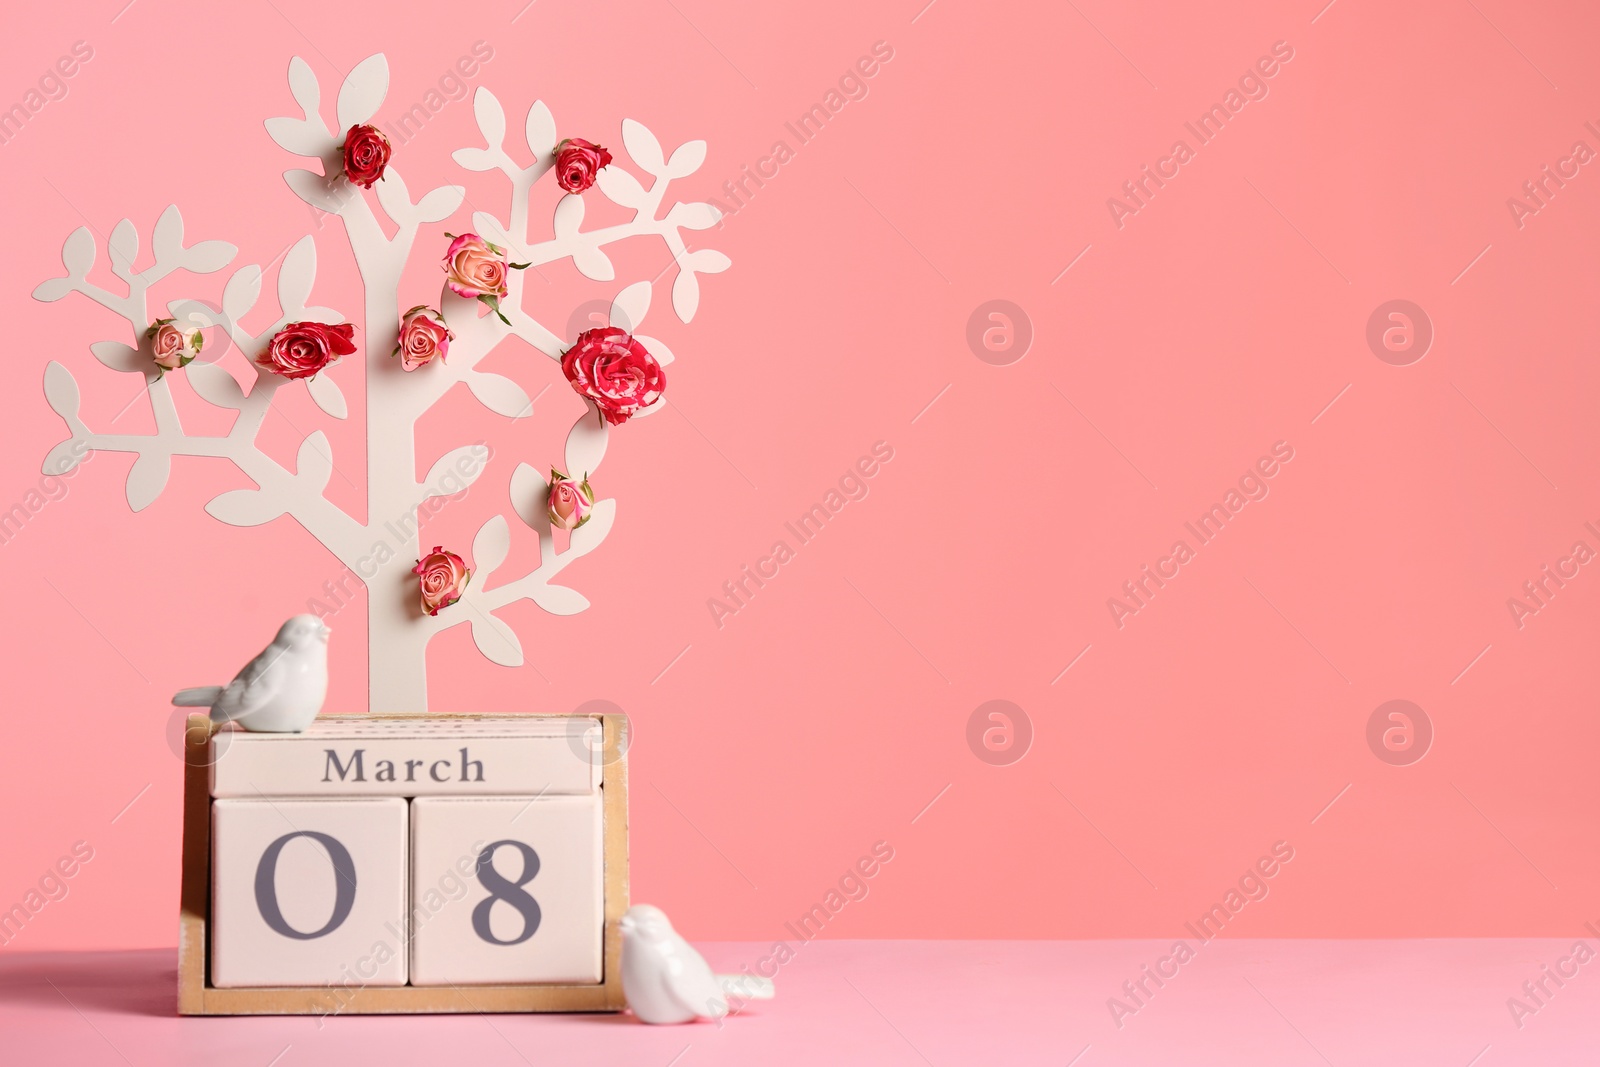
1236	1002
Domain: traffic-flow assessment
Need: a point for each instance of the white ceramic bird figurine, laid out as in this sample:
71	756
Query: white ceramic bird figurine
281	690
667	981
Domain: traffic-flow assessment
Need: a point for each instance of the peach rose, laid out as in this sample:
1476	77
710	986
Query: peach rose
443	577
423	338
171	347
571	503
475	268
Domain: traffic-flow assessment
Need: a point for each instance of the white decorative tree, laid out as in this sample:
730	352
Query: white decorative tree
398	632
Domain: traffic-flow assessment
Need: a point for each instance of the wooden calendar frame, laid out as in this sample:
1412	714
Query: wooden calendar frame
196	995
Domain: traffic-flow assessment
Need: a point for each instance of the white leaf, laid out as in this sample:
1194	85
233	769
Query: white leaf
300	137
52	289
686	160
642	146
587	538
499	394
314	462
61	390
496	641
686	295
166	240
77	252
593	264
240	294
299	270
147	478
64	457
394	196
325	391
196	313
540	130
708	261
244	507
207	257
569	215
303	84
440	203
474	158
620	187
586	442
530	497
491	117
123	247
315	190
488	227
694	216
322	314
490	546
455	470
558	599
214	385
363	91
656	347
120	357
629	308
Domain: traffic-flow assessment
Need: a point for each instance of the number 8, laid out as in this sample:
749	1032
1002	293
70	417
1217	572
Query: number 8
510	892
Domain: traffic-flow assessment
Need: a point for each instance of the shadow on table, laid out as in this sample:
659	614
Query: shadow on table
143	982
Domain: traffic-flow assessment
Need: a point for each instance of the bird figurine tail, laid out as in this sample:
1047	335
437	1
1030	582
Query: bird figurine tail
747	986
201	696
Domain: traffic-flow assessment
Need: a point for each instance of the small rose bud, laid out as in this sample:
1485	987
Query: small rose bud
366	155
172	347
571	503
443	577
578	162
423	338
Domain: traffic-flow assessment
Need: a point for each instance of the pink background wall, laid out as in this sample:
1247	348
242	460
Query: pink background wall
775	749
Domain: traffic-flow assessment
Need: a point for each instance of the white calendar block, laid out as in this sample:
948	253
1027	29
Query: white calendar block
308	892
506	890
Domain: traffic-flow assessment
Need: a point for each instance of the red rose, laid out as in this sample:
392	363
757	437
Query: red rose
609	367
366	154
577	163
301	349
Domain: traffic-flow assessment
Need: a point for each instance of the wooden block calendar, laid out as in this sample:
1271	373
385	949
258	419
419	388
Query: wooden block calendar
399	864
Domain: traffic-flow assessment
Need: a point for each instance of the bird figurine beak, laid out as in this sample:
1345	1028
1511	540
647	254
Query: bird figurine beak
326	632
626	923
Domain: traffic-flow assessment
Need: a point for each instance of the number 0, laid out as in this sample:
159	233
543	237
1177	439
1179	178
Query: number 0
344	885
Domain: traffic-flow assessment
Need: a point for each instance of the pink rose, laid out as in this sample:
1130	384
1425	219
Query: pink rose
366	154
578	162
475	268
443	577
301	349
171	347
571	503
615	371
423	338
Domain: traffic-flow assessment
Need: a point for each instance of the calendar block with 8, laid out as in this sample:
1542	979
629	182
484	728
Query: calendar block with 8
506	890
